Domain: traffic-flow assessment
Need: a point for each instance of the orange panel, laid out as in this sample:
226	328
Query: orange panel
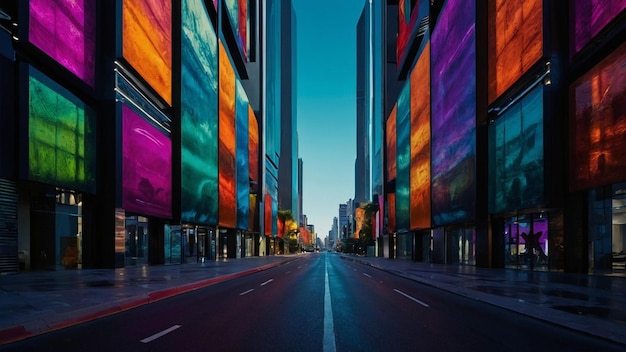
391	144
515	42
253	145
147	42
227	138
420	142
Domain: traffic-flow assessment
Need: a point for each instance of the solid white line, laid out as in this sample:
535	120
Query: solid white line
156	336
267	282
411	298
329	326
368	275
246	292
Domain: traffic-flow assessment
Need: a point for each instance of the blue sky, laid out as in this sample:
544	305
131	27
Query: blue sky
326	54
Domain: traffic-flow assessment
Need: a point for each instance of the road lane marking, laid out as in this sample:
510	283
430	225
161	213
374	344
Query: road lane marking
267	282
246	292
411	298
368	275
329	325
156	336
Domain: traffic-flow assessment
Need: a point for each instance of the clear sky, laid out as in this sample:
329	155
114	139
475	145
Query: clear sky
326	61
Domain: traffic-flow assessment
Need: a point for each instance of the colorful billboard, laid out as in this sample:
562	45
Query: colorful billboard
199	116
420	141
590	17
453	78
66	31
598	124
227	141
516	173
390	133
146	166
147	42
407	25
253	163
515	42
61	136
403	156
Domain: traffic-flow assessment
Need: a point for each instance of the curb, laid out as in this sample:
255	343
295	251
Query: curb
60	321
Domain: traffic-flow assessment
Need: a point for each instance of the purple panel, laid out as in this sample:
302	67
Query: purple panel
453	113
146	166
591	16
66	31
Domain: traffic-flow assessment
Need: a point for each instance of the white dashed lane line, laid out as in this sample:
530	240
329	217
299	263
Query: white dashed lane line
368	275
411	298
267	282
162	333
246	292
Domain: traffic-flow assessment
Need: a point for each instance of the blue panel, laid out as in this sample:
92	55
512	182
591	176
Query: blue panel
199	116
403	157
517	171
243	173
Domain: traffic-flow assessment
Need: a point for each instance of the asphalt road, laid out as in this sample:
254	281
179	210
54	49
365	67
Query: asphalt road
316	303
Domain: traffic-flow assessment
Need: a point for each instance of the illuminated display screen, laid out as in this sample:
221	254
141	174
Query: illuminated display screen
66	31
453	79
253	162
242	27
598	125
61	136
590	17
227	142
243	170
515	42
268	214
420	141
146	166
391	144
147	42
199	116
517	172
403	155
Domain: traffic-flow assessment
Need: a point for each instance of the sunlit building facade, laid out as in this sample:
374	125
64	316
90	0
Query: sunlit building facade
128	134
501	145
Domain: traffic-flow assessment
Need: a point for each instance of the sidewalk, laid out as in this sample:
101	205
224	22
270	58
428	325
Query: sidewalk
32	303
591	304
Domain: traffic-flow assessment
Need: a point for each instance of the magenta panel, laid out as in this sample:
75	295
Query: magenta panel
66	31
146	166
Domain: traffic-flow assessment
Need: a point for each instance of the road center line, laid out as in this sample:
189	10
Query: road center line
267	282
329	325
411	298
156	336
246	292
368	275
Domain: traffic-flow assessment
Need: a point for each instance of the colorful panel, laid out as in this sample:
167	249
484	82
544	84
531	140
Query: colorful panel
420	141
268	214
453	114
598	125
253	145
590	17
242	28
517	161
391	144
61	136
407	22
515	42
243	170
146	166
227	142
66	31
403	155
199	116
147	42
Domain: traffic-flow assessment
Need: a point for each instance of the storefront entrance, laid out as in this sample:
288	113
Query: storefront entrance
607	229
136	240
526	242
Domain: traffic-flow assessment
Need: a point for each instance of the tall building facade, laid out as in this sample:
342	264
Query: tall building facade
495	151
131	136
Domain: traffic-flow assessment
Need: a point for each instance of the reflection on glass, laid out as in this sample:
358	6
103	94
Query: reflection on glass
227	142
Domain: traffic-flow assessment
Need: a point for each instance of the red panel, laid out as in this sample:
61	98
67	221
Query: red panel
227	138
